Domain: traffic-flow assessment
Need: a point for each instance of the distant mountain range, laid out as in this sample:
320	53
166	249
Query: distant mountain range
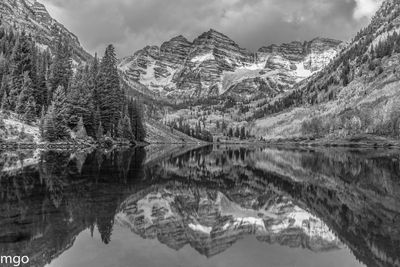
215	66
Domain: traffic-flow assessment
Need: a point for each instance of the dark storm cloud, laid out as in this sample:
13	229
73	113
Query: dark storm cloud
133	24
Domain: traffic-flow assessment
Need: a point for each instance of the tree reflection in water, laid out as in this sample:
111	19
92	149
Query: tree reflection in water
208	198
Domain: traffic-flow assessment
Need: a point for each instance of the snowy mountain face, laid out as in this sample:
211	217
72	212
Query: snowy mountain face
213	65
32	16
278	68
303	58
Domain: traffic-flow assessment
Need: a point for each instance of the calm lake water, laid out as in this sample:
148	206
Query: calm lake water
211	206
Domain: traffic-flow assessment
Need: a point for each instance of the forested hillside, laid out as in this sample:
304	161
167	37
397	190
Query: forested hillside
355	94
42	87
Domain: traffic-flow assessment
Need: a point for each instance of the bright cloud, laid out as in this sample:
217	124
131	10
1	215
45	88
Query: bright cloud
366	8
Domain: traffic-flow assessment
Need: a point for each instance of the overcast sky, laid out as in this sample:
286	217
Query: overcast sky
132	24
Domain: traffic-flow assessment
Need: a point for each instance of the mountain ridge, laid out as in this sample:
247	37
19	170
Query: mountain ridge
200	67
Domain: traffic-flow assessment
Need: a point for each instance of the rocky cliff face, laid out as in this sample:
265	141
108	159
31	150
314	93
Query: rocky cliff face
213	65
32	16
280	67
304	58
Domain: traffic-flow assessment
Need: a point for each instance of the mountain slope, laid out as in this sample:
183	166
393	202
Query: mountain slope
355	94
213	66
156	133
33	17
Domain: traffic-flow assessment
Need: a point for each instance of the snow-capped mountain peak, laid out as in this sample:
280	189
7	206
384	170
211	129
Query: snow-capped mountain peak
213	65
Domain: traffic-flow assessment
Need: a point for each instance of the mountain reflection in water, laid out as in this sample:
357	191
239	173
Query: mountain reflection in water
210	199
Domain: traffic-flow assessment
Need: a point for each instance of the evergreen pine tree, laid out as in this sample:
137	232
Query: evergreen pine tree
5	103
33	73
67	64
21	63
223	126
109	92
30	111
127	129
2	124
25	94
57	113
92	81
135	114
242	133
80	102
97	118
237	133
94	67
61	68
230	132
345	73
120	129
40	90
4	85
3	69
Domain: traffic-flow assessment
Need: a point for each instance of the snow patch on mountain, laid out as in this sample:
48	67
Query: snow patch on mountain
302	72
200	228
256	66
204	57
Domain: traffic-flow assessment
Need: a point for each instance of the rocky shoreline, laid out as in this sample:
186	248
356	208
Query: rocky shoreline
359	141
